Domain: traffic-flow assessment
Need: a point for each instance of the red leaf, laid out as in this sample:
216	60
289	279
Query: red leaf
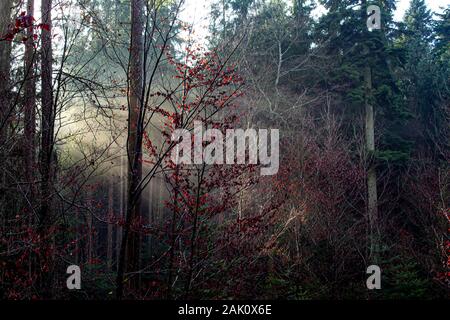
45	26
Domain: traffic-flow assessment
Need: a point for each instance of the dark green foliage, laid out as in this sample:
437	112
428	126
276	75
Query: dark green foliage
404	279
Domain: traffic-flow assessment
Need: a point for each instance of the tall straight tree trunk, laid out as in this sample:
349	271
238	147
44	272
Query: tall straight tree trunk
5	66
5	59
130	251
372	194
109	250
30	106
122	206
47	144
173	236
30	120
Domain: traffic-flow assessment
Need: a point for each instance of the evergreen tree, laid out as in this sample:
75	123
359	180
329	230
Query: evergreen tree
363	75
420	81
417	44
442	30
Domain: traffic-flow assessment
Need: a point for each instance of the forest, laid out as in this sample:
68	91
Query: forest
353	122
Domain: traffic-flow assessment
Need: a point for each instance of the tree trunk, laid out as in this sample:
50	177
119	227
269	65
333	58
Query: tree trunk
30	106
173	235
122	206
5	65
109	251
130	251
5	55
47	144
372	194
